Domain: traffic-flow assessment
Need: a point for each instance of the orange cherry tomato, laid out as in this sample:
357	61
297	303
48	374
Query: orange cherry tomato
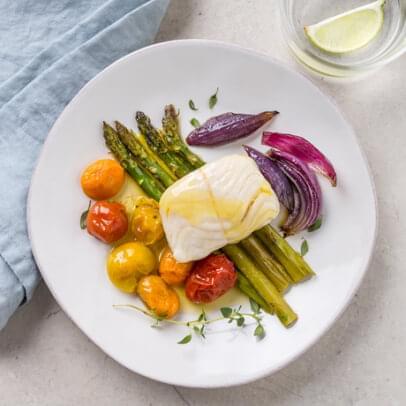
107	221
172	271
102	179
158	296
210	278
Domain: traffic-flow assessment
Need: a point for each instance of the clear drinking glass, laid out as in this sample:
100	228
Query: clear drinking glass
389	44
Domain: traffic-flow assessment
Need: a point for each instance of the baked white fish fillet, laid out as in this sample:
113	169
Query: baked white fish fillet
218	204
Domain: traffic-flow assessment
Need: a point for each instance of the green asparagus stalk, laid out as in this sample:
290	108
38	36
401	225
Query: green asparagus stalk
170	124
261	284
176	155
150	186
152	155
292	261
156	143
245	286
130	141
268	265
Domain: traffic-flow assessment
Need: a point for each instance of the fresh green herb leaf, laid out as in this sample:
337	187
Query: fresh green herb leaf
259	332
192	105
304	248
185	339
195	122
315	226
254	306
83	217
202	316
213	99
226	311
198	326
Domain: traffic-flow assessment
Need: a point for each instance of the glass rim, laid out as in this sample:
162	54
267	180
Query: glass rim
393	50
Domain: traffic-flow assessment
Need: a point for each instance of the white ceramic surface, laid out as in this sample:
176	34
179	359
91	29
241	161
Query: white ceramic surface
72	264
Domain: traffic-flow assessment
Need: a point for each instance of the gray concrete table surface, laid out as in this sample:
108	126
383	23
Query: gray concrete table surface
46	360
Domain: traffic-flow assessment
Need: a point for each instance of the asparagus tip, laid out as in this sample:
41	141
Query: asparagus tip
119	125
139	115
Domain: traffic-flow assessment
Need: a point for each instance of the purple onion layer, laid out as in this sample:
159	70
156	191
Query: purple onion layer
275	176
303	150
307	194
228	127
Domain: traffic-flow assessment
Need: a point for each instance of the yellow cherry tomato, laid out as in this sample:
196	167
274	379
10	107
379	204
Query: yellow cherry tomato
146	223
172	271
102	179
158	296
127	263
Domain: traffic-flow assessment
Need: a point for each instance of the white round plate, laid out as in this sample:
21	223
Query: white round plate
73	264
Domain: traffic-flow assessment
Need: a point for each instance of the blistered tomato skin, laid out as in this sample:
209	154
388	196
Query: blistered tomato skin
107	221
210	278
158	296
172	271
102	179
146	222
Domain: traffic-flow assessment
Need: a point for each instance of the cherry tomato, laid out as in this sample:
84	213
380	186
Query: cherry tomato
172	271
210	278
158	296
102	179
146	223
107	221
127	263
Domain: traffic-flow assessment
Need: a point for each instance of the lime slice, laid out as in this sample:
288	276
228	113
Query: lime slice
349	31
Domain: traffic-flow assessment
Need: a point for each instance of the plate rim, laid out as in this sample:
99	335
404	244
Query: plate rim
248	52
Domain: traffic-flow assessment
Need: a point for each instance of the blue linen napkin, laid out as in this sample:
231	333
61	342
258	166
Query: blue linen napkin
49	50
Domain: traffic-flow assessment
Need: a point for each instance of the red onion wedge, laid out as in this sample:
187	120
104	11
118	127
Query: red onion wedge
275	176
228	127
303	150
307	193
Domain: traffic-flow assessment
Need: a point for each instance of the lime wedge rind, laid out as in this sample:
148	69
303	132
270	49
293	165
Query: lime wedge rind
349	31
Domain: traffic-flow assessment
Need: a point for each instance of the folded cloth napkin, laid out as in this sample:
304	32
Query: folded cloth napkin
49	50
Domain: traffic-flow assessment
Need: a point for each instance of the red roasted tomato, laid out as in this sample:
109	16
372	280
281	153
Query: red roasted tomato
210	278
107	221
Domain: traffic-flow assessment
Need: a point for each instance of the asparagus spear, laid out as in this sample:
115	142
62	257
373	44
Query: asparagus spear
170	124
150	186
245	286
268	265
156	143
261	284
130	141
152	155
295	265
